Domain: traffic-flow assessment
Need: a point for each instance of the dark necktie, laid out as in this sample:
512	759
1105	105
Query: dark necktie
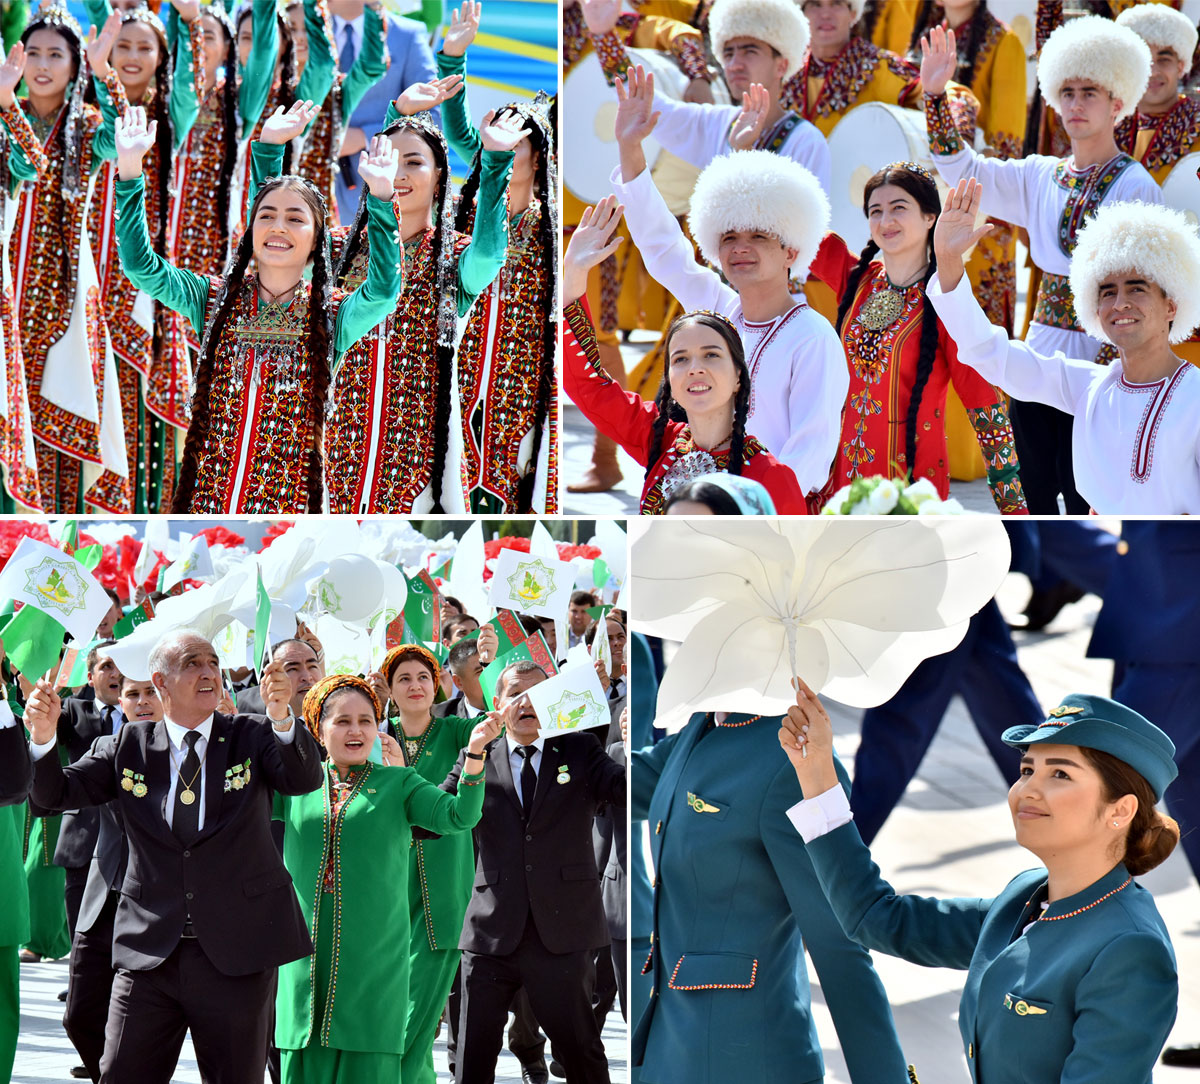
186	819
108	716
348	53
528	778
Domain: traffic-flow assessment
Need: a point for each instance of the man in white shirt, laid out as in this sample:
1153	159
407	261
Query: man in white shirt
1092	72
758	216
760	44
207	909
1135	276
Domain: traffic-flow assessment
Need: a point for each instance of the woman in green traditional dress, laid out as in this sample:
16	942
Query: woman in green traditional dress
440	870
347	847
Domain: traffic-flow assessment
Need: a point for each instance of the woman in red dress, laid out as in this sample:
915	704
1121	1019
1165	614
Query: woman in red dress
697	422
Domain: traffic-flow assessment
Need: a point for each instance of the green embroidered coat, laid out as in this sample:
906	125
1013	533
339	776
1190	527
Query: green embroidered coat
369	841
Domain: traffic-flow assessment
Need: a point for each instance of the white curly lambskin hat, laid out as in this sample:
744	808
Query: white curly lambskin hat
1094	48
1159	243
758	190
1162	27
779	23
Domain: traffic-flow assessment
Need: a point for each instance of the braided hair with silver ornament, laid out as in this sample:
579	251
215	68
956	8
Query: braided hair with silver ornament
320	339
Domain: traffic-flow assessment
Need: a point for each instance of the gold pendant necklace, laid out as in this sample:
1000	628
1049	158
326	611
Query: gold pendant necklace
187	796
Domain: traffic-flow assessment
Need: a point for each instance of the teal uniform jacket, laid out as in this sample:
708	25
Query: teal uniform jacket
734	894
1086	996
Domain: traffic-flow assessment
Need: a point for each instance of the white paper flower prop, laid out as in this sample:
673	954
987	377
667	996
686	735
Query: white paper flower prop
852	606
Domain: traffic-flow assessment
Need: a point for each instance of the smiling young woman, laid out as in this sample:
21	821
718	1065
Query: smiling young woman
272	339
1058	956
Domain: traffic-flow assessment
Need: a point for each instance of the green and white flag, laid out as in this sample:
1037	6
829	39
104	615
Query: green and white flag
47	579
195	563
72	671
422	610
262	624
532	585
601	649
571	700
534	649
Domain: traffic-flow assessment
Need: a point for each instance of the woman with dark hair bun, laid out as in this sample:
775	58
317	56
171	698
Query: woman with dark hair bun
901	359
271	340
1071	973
697	422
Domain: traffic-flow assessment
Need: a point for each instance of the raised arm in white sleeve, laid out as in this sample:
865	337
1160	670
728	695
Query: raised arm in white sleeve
1009	364
666	252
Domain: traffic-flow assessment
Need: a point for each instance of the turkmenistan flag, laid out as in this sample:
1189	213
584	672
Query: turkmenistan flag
509	631
422	610
597	612
534	649
72	671
140	614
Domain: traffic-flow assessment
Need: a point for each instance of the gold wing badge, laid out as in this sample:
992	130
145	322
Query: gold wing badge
1022	1008
700	805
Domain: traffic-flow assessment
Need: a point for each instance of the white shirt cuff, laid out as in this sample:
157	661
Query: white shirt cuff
286	736
815	817
7	718
36	752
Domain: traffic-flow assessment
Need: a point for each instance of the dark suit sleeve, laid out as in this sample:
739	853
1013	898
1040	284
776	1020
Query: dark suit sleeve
292	768
91	780
607	777
16	769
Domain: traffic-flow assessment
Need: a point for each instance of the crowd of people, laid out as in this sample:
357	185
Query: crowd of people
238	277
310	872
806	367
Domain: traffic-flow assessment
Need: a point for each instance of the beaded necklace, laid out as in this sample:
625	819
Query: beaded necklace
1079	911
744	722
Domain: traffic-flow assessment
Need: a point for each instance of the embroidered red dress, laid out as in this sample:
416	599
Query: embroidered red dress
629	420
883	367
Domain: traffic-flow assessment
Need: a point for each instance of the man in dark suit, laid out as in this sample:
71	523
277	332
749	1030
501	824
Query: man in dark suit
207	909
91	974
535	918
82	722
302	668
411	62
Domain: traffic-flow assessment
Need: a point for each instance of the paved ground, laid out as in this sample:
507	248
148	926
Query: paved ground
44	1052
577	434
952	835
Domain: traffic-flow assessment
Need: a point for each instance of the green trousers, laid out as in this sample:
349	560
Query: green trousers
430	976
10	1008
47	885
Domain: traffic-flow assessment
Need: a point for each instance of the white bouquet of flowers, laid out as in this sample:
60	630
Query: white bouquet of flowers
879	496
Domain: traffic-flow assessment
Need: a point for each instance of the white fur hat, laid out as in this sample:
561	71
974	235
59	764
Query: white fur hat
1159	243
779	23
1094	48
1162	27
758	190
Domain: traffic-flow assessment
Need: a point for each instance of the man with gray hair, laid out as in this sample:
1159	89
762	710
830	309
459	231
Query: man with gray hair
207	909
535	918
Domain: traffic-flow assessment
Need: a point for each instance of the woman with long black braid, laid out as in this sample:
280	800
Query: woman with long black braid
697	422
506	385
272	340
901	359
389	443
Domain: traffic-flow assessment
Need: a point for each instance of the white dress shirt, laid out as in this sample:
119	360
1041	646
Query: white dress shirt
815	817
516	760
339	34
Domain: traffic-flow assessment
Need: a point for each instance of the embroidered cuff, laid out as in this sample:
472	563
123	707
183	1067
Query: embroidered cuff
689	54
577	319
21	133
196	37
471	780
815	817
116	91
611	52
939	120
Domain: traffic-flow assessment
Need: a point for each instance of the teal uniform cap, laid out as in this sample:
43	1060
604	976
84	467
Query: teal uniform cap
1096	722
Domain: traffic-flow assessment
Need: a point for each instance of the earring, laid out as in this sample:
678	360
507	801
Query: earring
1116	824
